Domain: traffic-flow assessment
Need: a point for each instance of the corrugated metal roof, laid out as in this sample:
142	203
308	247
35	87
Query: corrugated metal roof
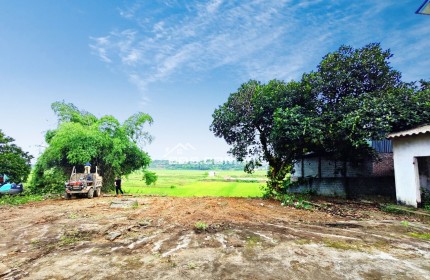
415	131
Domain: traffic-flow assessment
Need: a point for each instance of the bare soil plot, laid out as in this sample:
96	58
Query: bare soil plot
245	239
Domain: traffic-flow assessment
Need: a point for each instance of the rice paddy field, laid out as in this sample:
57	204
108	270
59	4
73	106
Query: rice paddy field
188	183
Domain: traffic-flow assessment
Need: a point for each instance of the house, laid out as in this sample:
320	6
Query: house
411	150
326	176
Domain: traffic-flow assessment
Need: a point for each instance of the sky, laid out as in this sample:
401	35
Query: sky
179	60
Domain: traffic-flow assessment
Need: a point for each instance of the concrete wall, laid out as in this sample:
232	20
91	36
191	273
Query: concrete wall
323	176
308	167
406	150
348	187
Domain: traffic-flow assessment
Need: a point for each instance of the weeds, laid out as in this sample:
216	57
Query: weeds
404	223
425	195
392	209
192	266
73	236
252	241
297	201
73	216
69	238
200	226
424	236
19	199
341	245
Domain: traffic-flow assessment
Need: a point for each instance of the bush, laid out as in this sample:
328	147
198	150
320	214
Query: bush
297	201
200	226
425	195
48	181
150	177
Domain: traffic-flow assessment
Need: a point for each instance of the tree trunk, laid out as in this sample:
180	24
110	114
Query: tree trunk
108	178
276	175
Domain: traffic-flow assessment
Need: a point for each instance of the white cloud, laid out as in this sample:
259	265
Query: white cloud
259	39
100	48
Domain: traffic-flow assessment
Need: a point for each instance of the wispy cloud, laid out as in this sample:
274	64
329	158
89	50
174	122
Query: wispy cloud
173	39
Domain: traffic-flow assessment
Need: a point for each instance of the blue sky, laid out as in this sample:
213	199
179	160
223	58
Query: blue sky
179	60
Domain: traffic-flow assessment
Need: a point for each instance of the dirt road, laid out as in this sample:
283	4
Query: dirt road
245	239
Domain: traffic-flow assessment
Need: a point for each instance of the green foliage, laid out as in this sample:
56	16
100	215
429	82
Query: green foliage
355	95
252	121
19	199
150	177
14	162
51	179
295	200
80	137
393	209
425	198
351	84
424	236
404	223
200	226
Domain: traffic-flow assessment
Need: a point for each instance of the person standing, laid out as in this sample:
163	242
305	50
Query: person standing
118	185
87	168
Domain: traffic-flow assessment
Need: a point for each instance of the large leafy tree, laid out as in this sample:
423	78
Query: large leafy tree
252	121
354	96
81	137
346	80
14	162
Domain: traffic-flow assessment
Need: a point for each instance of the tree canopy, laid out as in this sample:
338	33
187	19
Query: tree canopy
252	121
14	162
353	96
81	137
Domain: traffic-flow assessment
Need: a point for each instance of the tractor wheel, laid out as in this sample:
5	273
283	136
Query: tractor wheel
67	196
90	193
97	192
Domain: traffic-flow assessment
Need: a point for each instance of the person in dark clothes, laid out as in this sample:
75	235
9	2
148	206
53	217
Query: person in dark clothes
118	185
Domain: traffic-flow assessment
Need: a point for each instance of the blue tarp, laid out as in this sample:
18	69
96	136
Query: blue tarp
11	188
6	187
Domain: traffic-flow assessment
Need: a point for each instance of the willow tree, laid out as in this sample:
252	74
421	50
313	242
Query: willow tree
81	137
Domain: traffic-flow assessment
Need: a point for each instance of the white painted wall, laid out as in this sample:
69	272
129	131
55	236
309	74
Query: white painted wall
406	167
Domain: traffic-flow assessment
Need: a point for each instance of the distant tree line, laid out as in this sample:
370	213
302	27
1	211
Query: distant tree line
209	164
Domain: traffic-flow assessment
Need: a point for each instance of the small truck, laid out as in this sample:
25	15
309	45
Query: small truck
83	184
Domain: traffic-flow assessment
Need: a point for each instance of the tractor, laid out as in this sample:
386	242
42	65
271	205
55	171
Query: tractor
85	184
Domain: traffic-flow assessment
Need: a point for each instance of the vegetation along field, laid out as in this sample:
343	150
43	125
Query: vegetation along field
183	183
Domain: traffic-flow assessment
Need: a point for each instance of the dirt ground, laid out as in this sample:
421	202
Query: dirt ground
245	239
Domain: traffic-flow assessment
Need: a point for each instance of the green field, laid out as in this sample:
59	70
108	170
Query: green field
198	183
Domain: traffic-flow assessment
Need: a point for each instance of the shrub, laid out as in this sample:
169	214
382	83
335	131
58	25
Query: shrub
200	226
150	177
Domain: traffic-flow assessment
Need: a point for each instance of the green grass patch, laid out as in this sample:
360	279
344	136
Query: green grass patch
200	226
19	199
187	183
424	236
342	245
393	209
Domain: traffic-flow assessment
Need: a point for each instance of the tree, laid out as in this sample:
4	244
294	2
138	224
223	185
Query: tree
80	137
150	177
253	122
14	162
354	96
345	81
